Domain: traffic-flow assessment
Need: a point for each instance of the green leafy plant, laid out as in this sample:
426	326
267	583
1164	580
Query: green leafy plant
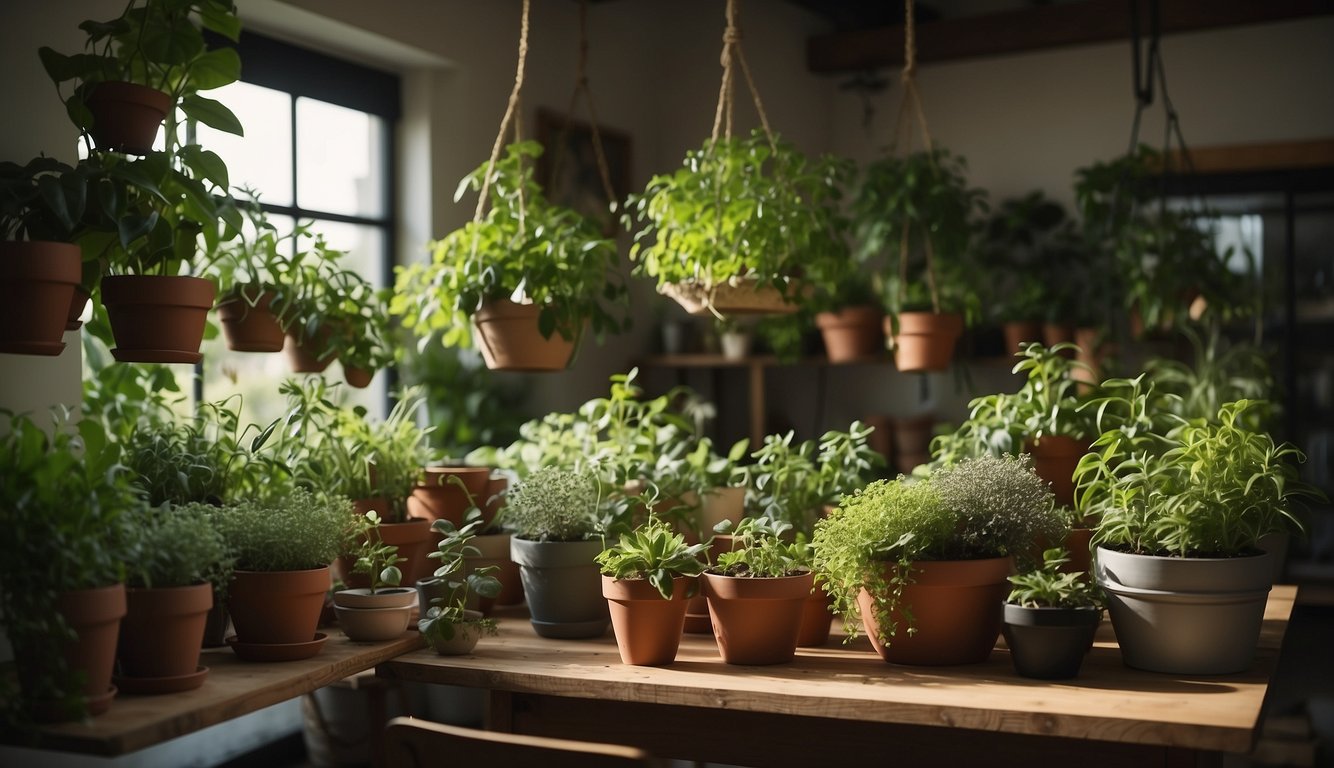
1025	240
1001	507
177	546
377	560
525	249
44	200
783	482
847	461
555	504
189	461
758	550
1047	587
654	551
1219	373
446	614
296	532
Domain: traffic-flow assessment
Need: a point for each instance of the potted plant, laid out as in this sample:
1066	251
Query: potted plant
256	273
756	592
181	463
648	576
41	215
1180	515
556	520
447	624
62	589
180	560
382	610
1050	619
918	207
283	548
733	230
852	319
923	564
1046	410
526	278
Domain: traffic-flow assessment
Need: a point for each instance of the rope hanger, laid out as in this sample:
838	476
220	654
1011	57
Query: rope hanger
510	110
581	89
733	54
912	101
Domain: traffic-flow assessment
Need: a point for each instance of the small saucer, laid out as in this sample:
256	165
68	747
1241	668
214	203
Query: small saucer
49	348
277	651
150	686
156	356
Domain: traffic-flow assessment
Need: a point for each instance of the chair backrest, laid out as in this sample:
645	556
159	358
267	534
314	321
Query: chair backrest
412	743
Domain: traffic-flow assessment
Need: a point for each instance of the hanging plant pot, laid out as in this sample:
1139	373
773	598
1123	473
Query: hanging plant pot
925	340
157	318
647	625
95	616
309	354
37	284
508	337
126	116
251	329
756	620
735	296
1054	459
852	333
160	639
357	377
955	606
1020	332
275	613
1049	643
439	499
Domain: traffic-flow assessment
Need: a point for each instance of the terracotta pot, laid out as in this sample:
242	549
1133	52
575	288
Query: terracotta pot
1019	333
163	631
277	607
309	354
1054	459
698	621
37	284
157	319
95	616
1092	352
1058	333
648	627
438	499
912	441
956	608
924	341
816	617
756	620
373	617
126	116
852	333
251	329
76	306
509	340
357	377
1078	542
415	542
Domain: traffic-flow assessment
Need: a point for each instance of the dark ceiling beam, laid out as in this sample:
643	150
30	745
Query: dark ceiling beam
1031	29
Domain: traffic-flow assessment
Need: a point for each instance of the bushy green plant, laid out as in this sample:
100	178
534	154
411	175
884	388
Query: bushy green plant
758	550
554	504
177	547
1219	373
453	549
847	461
1001	507
654	551
1047	587
783	482
524	249
296	532
179	463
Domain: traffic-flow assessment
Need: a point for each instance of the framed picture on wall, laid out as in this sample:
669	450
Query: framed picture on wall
568	170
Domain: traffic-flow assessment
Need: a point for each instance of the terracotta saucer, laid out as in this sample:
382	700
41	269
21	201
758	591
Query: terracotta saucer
277	651
156	356
151	686
52	711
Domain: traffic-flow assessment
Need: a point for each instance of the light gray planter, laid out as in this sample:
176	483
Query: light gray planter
563	587
1190	616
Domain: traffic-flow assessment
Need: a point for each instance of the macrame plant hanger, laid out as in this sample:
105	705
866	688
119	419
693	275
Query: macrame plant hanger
581	89
511	116
732	56
912	102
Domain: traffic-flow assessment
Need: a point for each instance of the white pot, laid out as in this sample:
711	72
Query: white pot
736	345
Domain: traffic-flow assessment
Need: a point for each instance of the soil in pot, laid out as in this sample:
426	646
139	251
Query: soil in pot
251	328
563	587
509	339
648	626
157	319
38	281
277	607
160	638
756	620
924	341
1049	643
439	499
852	333
95	616
126	116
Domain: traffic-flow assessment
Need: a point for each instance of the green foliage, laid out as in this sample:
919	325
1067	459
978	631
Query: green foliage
1025	241
377	560
554	504
179	463
758	550
1220	373
446	614
1000	506
296	532
1047	587
743	208
469	405
177	546
44	200
654	551
847	461
524	249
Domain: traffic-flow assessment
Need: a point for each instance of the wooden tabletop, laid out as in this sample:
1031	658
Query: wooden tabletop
1107	702
233	688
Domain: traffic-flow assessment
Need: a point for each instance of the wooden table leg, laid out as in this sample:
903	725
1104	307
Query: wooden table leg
499	714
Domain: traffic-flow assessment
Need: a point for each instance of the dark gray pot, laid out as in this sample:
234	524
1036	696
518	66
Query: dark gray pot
1049	643
1186	616
563	587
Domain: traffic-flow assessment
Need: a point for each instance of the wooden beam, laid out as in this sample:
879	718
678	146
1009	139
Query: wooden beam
1064	24
1242	158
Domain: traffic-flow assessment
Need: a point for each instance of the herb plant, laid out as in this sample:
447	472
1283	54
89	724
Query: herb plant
758	550
377	560
177	547
452	551
554	504
1047	587
296	532
655	552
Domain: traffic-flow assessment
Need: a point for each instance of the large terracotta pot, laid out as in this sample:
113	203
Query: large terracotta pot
251	328
160	638
1019	333
956	608
37	284
1054	459
126	116
815	620
852	333
95	616
924	341
509	339
157	319
439	499
756	620
277	607
648	627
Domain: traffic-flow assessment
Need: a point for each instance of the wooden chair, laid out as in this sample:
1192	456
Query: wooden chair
411	743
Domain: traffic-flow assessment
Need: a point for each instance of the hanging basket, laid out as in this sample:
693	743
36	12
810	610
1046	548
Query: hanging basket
736	296
508	336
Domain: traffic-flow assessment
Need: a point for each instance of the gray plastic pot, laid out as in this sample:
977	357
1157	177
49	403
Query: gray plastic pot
1049	643
1187	616
563	586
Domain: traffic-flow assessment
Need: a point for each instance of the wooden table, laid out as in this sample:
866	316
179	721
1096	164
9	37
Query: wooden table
233	688
837	703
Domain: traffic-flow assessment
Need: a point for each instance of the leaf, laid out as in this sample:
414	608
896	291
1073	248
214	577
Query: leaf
211	113
218	67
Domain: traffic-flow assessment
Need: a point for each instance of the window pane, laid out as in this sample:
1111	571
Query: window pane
262	159
338	159
363	245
